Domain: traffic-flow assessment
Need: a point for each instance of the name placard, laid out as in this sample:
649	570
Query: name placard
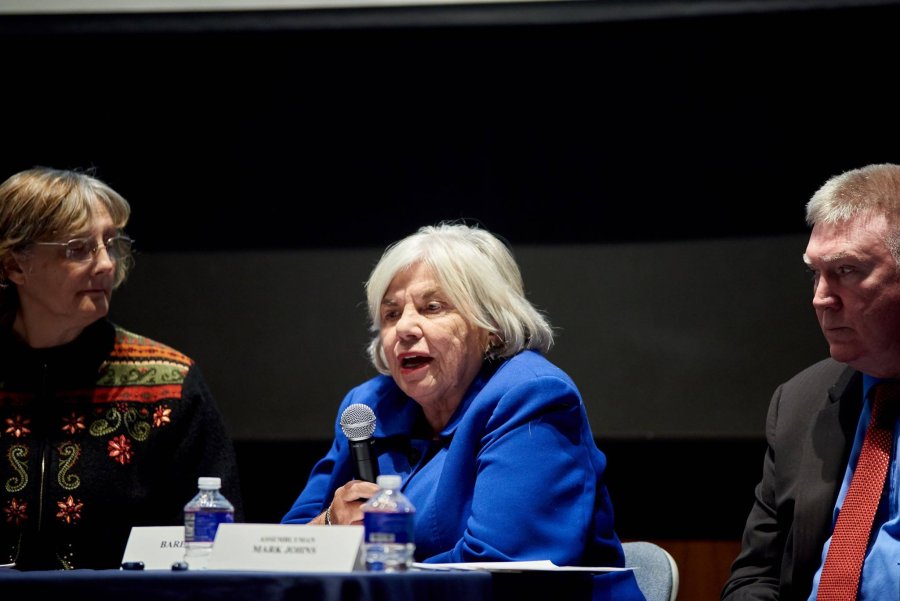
157	546
287	548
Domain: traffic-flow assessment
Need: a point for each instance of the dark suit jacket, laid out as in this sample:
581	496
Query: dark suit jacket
810	427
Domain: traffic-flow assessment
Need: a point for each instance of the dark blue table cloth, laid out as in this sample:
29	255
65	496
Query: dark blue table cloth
216	585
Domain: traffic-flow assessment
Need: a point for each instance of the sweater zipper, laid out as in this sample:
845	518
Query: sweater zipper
44	449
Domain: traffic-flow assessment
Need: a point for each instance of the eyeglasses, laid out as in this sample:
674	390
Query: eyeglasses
84	249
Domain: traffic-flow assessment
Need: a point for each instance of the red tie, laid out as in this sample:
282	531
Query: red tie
843	564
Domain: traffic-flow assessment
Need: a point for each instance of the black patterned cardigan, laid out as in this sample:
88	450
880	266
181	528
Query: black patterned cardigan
107	432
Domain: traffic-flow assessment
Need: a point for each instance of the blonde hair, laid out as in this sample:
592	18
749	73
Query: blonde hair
47	205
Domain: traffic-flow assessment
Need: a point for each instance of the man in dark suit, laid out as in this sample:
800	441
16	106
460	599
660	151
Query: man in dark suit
818	419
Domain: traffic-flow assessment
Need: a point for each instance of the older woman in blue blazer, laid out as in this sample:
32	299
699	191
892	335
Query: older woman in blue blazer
491	439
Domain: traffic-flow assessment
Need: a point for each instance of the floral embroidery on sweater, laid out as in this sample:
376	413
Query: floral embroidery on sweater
134	393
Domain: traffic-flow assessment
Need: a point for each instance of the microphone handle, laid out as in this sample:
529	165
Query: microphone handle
365	463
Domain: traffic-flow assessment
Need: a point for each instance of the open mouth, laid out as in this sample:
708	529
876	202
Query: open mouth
414	362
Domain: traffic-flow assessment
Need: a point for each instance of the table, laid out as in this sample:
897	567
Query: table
217	585
214	585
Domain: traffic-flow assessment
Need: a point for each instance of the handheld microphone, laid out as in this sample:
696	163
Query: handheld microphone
358	425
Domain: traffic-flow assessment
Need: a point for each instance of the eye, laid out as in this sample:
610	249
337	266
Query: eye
390	315
79	245
118	247
79	249
845	269
434	307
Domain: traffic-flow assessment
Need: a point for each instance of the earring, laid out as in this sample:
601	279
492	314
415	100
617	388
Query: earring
494	344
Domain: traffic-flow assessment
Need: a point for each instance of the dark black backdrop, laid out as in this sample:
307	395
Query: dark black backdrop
219	126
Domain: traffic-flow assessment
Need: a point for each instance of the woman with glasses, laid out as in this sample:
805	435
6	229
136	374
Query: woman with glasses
101	429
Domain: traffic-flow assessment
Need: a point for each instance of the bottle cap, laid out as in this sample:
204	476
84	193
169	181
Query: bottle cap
209	482
388	481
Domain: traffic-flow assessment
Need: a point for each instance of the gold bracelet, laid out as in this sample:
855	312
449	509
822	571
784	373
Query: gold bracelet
328	515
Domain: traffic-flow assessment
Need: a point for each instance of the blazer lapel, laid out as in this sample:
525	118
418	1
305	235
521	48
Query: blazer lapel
824	463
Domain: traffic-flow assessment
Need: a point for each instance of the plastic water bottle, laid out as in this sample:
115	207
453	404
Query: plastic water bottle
388	520
202	516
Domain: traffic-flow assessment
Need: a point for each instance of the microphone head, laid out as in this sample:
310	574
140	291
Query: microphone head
358	421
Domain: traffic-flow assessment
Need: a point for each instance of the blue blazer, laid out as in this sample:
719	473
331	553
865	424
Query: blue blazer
514	475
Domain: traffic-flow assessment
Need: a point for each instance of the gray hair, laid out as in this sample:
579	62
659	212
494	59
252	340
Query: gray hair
480	277
869	190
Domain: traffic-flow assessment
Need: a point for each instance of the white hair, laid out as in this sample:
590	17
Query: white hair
478	273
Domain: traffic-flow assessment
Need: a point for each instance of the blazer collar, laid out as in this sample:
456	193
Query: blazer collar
825	461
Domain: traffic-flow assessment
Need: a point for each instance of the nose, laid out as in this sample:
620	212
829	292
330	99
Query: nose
824	296
102	260
408	324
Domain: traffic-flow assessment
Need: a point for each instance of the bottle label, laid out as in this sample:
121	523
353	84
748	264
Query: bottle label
201	526
388	527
